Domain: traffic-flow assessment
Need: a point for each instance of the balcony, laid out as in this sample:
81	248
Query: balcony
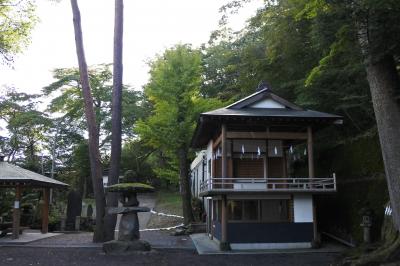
215	186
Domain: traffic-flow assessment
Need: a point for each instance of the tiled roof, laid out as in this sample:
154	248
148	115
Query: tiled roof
270	112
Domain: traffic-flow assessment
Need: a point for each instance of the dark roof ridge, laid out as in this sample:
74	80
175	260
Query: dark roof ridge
246	98
260	95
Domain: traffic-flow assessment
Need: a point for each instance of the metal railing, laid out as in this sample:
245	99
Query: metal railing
283	184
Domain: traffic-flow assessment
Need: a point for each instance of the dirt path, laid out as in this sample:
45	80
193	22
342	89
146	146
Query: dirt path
147	200
158	238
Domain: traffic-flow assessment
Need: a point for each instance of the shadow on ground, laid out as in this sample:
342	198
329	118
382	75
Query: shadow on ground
21	256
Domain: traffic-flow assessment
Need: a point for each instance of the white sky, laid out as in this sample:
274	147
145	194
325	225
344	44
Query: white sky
150	26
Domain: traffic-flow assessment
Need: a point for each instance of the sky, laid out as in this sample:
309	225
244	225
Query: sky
150	26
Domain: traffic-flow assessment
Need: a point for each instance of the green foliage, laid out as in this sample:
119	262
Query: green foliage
358	166
174	91
273	47
68	100
306	50
27	127
80	167
139	158
17	20
7	197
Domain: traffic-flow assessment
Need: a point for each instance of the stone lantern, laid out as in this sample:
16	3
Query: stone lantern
128	235
366	223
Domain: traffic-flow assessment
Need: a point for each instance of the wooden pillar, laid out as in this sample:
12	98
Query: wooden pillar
224	170
16	212
211	214
284	163
265	165
266	159
45	210
315	228
230	160
213	173
224	245
310	152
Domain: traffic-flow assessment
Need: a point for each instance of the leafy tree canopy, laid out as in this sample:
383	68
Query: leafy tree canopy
68	100
17	19
27	127
174	91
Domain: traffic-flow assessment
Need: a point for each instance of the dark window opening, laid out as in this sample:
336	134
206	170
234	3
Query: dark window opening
271	211
274	211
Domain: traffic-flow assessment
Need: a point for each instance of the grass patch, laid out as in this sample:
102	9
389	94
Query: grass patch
169	202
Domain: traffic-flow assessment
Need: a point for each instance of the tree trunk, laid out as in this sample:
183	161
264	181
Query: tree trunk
94	153
53	151
185	186
116	131
384	84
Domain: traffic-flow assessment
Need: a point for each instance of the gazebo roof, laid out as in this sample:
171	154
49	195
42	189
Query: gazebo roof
12	175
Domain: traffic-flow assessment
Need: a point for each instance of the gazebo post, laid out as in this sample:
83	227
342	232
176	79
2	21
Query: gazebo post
45	210
16	212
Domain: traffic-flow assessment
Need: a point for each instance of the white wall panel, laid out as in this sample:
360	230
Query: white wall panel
303	208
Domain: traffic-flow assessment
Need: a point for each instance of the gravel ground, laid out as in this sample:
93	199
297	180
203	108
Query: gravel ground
21	256
158	239
78	249
163	239
73	239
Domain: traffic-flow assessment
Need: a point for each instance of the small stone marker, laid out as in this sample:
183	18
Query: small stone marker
77	223
74	208
63	223
89	211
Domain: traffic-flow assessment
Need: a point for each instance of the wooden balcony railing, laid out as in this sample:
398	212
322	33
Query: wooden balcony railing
269	184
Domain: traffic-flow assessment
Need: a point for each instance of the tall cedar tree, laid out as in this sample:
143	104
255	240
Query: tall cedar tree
376	26
116	131
94	153
378	31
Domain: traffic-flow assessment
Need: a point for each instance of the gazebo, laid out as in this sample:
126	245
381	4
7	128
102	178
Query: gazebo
12	176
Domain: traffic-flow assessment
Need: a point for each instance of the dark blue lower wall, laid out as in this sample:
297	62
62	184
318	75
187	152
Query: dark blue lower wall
217	230
266	232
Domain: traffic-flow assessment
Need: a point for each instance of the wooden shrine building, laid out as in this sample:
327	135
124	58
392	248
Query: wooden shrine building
246	174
